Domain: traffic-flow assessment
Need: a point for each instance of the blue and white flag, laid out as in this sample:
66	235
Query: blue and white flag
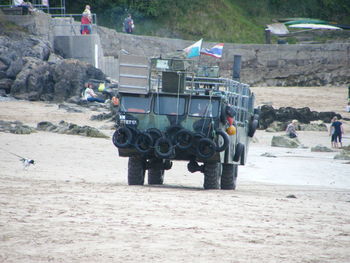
194	49
215	51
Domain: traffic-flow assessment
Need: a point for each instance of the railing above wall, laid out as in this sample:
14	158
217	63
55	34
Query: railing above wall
73	22
37	4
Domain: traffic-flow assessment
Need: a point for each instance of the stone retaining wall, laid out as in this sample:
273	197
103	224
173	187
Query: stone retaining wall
262	65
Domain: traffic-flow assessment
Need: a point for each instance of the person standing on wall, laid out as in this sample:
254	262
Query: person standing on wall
128	24
86	21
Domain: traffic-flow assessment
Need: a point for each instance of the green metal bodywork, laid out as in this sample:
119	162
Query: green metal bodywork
213	91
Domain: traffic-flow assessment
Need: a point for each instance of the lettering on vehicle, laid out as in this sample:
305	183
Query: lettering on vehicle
123	120
130	122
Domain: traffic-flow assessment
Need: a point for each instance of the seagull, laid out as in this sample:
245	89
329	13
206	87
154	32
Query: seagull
27	162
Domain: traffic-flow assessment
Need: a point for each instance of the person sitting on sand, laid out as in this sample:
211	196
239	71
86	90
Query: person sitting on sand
90	95
291	129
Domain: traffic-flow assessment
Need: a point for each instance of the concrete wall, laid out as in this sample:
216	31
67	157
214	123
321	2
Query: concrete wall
264	65
82	47
36	23
68	41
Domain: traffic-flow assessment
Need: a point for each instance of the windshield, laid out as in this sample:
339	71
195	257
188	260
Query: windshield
169	105
204	108
135	104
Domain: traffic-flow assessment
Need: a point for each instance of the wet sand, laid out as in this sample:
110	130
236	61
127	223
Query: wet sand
74	204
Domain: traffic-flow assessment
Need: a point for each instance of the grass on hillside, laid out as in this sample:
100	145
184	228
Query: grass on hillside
7	27
220	21
231	21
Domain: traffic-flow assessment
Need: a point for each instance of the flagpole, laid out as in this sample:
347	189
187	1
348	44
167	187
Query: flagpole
199	60
219	66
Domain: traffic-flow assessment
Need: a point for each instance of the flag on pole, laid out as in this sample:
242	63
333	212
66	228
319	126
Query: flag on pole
215	51
194	49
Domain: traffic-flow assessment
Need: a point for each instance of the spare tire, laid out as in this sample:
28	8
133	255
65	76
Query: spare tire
155	133
183	139
163	148
238	152
122	137
144	142
253	125
226	139
206	148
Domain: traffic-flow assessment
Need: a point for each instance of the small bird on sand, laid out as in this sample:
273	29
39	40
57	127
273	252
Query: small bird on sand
27	162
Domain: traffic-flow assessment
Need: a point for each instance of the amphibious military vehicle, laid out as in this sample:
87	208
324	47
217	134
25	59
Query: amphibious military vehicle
170	110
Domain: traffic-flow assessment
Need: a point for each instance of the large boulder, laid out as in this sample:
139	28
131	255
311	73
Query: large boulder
277	126
70	128
41	80
6	84
328	115
286	114
314	126
15	127
14	68
267	116
284	141
34	82
343	155
321	148
69	76
30	70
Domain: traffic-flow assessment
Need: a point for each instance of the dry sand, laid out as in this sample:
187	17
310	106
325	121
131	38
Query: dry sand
74	204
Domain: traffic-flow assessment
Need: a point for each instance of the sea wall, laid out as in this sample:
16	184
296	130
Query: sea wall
262	65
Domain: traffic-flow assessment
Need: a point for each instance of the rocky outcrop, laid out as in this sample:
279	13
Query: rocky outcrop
285	114
278	126
343	155
70	128
284	141
63	127
314	126
29	69
15	127
321	148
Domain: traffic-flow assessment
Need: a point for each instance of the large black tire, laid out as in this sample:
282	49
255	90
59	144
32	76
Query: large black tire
183	139
211	175
155	133
122	137
229	176
144	142
253	125
226	140
163	148
155	176
206	148
242	161
136	171
238	152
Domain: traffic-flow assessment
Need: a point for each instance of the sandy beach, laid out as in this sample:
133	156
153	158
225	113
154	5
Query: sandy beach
74	204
